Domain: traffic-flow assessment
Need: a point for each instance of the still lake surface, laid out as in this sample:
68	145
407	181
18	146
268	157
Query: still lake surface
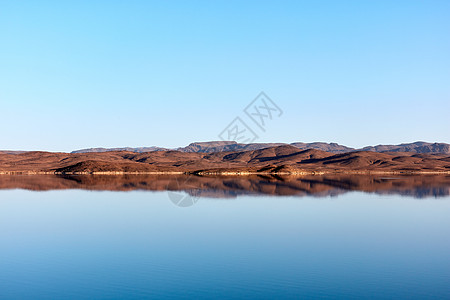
105	240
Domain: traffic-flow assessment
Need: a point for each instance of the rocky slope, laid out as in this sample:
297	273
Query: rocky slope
280	159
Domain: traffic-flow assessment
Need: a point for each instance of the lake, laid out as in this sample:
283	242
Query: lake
181	237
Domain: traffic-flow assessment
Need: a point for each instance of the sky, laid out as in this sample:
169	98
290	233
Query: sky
81	74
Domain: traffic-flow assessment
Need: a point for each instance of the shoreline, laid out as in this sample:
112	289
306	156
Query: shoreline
236	173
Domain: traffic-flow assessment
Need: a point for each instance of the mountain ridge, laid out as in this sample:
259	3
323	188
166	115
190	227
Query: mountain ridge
221	146
283	159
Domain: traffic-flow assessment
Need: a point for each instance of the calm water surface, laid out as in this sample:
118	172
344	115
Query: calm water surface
79	244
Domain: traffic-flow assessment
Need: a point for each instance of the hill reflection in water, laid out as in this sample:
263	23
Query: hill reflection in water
233	186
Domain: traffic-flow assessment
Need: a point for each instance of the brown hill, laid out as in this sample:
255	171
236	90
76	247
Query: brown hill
280	159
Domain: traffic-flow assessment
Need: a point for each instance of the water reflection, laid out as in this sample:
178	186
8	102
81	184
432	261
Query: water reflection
233	186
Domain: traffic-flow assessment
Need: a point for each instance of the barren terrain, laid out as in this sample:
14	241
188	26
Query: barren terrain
284	159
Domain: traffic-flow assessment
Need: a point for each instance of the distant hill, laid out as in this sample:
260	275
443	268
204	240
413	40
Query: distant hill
417	147
11	152
221	146
138	150
328	147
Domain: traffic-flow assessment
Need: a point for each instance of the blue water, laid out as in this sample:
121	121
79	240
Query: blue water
75	244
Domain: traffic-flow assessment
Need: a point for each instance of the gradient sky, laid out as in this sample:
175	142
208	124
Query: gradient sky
78	74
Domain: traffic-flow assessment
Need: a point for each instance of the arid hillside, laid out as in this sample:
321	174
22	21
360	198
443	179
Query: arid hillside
284	159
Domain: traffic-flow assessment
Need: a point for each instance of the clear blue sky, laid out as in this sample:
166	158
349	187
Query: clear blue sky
77	74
